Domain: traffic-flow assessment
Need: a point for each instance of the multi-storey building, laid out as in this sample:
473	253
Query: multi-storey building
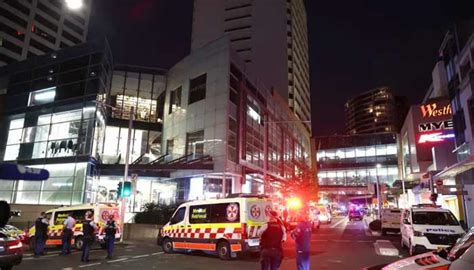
270	36
374	111
35	27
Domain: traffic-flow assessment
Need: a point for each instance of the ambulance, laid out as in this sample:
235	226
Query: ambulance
226	227
57	217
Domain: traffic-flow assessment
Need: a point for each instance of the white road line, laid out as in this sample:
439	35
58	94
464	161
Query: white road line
68	268
141	256
89	265
157	253
341	240
334	261
337	223
118	260
48	256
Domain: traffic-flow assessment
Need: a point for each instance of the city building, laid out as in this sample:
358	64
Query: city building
36	27
52	121
375	111
270	36
350	164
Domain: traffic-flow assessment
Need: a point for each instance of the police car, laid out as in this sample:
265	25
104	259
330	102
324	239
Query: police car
425	228
57	217
224	226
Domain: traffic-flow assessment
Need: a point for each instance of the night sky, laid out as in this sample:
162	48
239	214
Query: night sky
354	45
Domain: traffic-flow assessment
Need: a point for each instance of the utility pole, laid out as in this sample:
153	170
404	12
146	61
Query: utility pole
125	173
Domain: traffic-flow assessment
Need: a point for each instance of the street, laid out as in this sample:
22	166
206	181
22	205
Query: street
339	245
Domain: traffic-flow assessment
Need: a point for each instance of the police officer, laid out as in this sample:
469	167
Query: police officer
88	228
110	230
68	228
41	234
302	236
273	234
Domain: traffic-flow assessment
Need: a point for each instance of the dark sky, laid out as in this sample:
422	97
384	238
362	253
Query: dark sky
354	45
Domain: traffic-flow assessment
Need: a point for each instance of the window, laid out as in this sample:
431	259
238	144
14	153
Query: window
12	17
48	11
60	217
215	213
195	143
17	5
70	37
175	100
42	96
169	146
74	27
178	216
11	47
199	214
46	23
197	89
13	33
40	46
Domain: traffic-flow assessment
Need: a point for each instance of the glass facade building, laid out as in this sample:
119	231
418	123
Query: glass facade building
356	160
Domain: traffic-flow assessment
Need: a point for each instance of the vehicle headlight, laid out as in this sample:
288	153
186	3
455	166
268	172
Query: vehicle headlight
417	233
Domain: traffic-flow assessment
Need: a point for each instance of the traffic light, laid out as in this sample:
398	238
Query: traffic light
127	189
119	190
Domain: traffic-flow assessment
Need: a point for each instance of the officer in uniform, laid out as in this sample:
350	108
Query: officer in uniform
41	234
88	229
272	236
110	230
68	224
302	236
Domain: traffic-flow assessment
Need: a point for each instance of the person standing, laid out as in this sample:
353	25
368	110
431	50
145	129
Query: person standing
68	228
41	234
88	229
110	231
272	236
302	236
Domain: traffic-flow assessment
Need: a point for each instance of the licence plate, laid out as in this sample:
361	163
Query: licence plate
2	248
253	242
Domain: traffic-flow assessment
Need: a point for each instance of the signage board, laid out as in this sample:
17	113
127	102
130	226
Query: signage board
9	171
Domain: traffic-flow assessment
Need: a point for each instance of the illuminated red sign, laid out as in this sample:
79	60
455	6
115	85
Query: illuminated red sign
434	110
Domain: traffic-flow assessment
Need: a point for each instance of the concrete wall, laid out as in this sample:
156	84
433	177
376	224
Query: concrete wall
141	232
29	213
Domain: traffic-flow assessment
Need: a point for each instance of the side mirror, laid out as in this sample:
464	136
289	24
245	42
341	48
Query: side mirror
405	221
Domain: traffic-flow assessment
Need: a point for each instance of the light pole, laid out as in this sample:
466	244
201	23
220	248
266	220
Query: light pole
379	203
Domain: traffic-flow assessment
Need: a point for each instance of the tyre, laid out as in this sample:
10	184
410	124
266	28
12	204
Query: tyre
32	243
167	245
79	242
223	250
402	243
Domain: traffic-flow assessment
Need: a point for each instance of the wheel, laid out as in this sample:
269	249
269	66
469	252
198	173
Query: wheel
402	243
79	242
9	267
167	245
32	243
223	250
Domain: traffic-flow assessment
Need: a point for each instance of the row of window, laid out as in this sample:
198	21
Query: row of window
197	92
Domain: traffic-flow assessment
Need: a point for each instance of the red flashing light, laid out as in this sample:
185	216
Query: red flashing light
294	203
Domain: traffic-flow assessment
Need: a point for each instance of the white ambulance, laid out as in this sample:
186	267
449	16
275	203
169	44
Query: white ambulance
425	228
225	226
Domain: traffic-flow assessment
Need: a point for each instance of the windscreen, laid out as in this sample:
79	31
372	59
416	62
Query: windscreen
434	218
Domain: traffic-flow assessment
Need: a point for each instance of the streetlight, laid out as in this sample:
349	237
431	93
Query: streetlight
74	4
379	203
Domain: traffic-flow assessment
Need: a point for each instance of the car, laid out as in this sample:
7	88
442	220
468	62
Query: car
324	215
459	257
424	228
11	251
355	214
15	232
390	220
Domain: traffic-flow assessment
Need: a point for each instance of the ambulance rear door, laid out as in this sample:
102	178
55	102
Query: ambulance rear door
256	215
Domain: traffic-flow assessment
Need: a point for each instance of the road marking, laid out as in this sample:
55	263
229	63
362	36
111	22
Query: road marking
118	260
157	253
89	265
334	261
341	240
319	240
68	268
337	223
132	260
365	241
141	256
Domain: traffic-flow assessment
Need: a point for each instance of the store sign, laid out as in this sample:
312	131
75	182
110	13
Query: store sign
432	126
10	171
435	137
435	110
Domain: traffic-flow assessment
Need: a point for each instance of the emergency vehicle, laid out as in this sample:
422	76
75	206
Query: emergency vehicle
224	226
425	228
57	217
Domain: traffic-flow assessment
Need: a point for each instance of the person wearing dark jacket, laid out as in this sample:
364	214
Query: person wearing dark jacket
302	236
88	229
272	236
110	231
41	234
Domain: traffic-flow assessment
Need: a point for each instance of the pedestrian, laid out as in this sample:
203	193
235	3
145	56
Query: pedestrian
272	235
88	229
110	231
68	228
302	237
41	234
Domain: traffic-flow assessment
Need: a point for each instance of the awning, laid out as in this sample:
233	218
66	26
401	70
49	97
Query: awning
456	169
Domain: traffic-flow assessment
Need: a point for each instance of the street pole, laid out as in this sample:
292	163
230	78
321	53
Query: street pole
379	203
125	173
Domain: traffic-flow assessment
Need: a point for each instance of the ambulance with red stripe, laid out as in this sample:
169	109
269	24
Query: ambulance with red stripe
57	217
224	226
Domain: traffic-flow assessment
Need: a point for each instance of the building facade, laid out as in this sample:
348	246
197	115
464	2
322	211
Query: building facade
251	26
36	27
375	111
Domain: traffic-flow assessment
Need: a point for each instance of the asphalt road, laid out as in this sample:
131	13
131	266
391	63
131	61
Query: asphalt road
339	245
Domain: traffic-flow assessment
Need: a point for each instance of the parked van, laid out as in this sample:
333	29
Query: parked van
57	217
390	220
224	226
426	228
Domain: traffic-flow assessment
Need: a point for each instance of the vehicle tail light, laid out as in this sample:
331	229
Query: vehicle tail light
244	231
15	244
428	260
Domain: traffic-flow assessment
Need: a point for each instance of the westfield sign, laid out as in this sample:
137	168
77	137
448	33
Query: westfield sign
433	110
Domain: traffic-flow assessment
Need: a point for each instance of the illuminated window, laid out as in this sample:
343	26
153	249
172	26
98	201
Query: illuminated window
43	96
175	100
197	89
